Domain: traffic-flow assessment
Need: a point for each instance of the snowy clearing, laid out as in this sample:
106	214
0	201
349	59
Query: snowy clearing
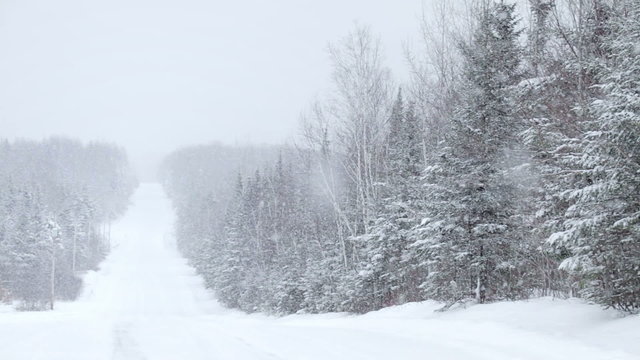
146	303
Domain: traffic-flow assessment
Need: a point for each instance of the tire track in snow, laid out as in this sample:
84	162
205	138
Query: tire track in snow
124	345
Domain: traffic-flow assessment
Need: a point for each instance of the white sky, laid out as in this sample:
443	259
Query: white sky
154	75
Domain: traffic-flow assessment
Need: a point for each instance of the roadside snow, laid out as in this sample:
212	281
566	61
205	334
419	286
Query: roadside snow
147	303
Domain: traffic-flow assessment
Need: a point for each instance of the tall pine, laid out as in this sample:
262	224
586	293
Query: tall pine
471	240
602	230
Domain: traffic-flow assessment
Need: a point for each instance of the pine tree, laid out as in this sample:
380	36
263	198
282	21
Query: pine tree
602	231
472	248
387	275
231	274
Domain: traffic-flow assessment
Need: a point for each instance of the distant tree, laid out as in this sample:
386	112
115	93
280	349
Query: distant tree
54	195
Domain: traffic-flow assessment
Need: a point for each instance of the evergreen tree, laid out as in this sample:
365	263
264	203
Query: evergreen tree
386	275
602	229
478	244
230	276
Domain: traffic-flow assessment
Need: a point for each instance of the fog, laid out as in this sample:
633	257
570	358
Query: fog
156	75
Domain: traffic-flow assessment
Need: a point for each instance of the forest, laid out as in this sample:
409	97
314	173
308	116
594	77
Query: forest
57	200
507	167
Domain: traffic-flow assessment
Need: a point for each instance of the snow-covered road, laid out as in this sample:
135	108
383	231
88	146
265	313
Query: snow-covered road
147	303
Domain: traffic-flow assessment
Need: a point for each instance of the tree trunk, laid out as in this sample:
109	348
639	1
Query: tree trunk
53	278
74	251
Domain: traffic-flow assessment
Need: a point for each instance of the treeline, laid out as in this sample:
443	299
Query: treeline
508	168
57	200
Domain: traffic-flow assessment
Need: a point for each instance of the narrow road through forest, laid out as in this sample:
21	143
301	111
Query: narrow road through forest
146	303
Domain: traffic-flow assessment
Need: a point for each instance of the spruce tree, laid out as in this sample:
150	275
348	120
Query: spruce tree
470	241
602	230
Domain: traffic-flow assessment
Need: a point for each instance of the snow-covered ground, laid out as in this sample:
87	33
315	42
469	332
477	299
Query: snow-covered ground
147	303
